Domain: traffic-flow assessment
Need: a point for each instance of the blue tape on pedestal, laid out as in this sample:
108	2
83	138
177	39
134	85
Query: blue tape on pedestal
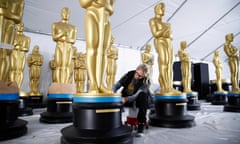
192	94
60	95
170	97
97	99
13	96
220	93
234	94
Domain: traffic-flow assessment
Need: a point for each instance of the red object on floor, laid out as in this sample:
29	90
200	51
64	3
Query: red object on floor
133	121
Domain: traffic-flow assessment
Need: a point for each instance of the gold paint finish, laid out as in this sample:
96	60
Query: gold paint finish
180	104
186	67
18	55
232	53
112	56
35	61
64	34
80	72
63	102
162	34
107	110
11	12
98	33
218	70
148	59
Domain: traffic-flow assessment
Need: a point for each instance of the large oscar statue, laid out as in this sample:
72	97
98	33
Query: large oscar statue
231	51
17	63
18	55
35	61
97	113
60	93
186	69
170	104
10	126
10	14
219	96
112	56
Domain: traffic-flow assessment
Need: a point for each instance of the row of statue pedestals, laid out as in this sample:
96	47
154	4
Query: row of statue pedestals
229	99
97	117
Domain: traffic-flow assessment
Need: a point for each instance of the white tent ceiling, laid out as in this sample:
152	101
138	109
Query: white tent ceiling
202	23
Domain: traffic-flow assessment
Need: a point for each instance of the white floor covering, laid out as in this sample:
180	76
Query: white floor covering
213	126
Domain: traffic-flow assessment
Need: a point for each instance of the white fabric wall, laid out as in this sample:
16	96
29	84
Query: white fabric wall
128	59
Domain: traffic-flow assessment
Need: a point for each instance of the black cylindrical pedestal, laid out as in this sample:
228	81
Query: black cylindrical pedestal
24	109
10	125
97	120
233	104
36	101
170	111
192	103
219	98
59	109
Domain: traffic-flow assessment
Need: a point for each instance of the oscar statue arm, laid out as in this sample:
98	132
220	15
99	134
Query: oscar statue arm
56	34
41	60
85	3
30	60
73	35
154	29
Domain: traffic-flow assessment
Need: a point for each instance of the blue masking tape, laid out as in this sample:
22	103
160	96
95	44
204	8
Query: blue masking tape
60	95
13	96
97	99
170	97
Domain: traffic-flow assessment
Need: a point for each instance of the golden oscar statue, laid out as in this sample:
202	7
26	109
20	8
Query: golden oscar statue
148	59
4	63
10	14
17	64
35	61
99	108
64	34
168	111
18	57
80	72
232	53
74	51
218	70
112	55
60	92
52	65
233	97
219	96
185	67
162	42
98	39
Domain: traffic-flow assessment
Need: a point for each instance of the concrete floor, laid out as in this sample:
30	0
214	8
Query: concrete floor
213	126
